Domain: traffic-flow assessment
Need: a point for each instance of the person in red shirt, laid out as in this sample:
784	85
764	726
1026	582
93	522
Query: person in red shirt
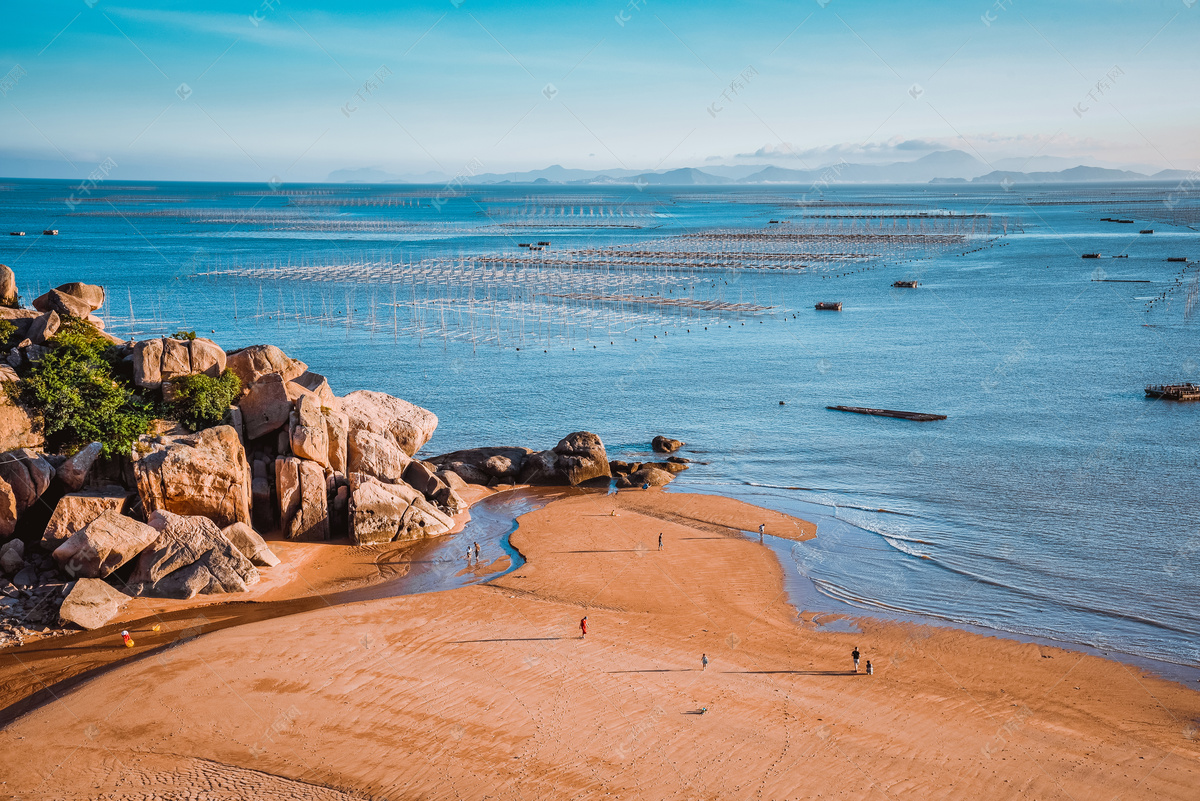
583	627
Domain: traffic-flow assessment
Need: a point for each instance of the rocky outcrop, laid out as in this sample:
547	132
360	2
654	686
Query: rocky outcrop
190	557
74	471
75	510
176	359
644	476
375	455
159	360
64	304
17	428
206	357
8	286
498	462
43	328
663	444
309	433
90	294
147	363
311	521
205	473
91	603
256	362
382	512
287	487
405	424
252	546
577	458
316	385
27	475
265	407
103	545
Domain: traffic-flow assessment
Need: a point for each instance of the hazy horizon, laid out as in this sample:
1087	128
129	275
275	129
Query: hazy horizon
297	91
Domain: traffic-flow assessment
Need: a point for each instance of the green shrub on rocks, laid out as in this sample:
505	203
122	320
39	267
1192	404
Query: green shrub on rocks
181	334
7	329
201	401
75	391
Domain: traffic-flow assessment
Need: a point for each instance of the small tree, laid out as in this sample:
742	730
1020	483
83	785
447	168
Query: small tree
72	388
202	401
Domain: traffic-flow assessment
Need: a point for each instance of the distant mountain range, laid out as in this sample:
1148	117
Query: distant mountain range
943	166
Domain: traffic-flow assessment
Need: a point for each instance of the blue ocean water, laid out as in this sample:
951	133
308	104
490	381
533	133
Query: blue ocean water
1054	500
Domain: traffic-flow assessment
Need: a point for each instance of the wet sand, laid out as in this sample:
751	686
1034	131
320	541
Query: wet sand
489	691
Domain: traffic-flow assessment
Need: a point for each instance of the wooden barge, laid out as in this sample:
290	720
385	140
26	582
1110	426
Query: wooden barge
828	306
918	416
1176	392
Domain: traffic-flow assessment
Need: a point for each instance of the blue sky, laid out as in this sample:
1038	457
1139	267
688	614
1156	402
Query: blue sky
248	90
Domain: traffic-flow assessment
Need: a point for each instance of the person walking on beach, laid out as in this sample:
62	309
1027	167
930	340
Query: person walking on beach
762	529
583	627
703	661
660	540
870	670
856	655
477	551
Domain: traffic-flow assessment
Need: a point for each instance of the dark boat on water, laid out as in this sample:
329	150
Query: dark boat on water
918	416
827	306
1090	256
1176	392
905	284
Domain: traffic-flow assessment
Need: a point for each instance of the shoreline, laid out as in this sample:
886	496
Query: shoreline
489	688
804	587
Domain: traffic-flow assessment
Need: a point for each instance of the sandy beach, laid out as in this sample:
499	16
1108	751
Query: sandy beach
489	691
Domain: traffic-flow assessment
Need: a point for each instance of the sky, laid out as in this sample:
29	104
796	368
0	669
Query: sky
266	89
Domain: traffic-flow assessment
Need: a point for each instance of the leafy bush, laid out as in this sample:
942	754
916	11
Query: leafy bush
7	329
202	401
74	391
181	334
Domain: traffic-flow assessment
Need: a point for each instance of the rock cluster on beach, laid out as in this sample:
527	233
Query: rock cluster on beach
180	515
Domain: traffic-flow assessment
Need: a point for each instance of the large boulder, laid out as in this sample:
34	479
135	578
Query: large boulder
252	546
91	603
287	487
90	294
147	363
8	509
311	521
74	471
8	286
406	424
577	458
254	363
662	444
190	557
63	304
27	474
375	455
337	433
646	475
43	328
206	357
76	509
499	462
205	473
317	385
103	545
382	512
176	359
265	407
309	433
17	428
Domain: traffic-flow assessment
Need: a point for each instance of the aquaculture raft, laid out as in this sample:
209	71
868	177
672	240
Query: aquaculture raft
918	416
1175	392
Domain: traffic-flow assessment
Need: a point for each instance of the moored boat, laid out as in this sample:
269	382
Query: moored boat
829	306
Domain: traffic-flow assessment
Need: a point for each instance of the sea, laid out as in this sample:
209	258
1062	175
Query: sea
1054	501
